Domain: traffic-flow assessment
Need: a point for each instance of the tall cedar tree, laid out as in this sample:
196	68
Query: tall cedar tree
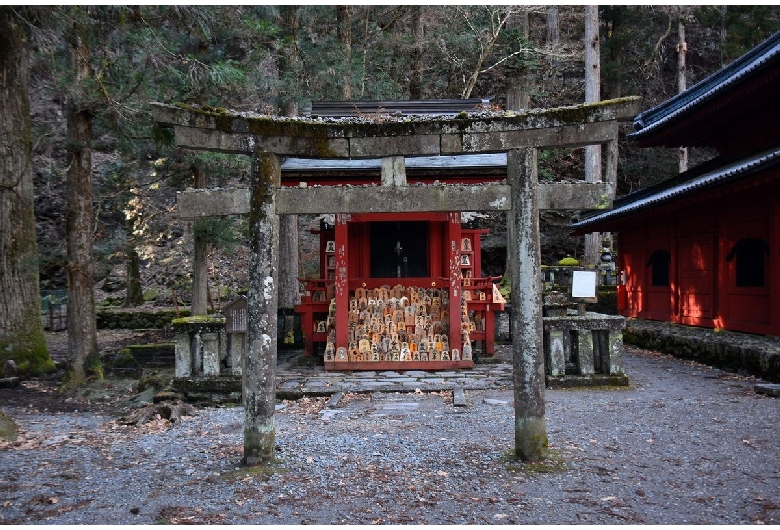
83	356
21	331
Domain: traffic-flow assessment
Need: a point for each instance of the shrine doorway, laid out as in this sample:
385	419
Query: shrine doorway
399	249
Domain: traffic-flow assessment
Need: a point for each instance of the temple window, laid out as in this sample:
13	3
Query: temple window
749	255
659	263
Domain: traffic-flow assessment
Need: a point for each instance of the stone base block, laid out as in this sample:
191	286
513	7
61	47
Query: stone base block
9	382
589	381
769	389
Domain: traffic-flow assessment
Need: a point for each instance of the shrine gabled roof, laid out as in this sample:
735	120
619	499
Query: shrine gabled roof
395	108
413	107
485	167
701	178
672	112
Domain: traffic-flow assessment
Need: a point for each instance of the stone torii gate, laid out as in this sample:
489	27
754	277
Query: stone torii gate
267	139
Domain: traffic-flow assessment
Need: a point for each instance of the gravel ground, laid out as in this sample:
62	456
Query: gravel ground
685	443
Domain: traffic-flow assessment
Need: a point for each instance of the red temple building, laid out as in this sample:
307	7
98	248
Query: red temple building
703	248
399	290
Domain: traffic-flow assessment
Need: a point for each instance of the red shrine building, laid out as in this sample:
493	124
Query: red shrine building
398	290
703	248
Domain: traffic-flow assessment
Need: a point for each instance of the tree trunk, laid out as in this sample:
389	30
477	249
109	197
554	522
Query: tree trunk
21	330
553	29
553	44
517	97
613	84
344	30
135	295
416	75
287	280
83	356
592	95
290	58
200	272
723	11
289	292
682	81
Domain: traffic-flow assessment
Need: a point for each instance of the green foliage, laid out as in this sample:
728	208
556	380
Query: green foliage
221	168
505	287
163	136
739	27
218	231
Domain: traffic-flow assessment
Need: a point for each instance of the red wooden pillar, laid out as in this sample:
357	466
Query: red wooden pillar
342	286
720	303
453	259
490	331
307	324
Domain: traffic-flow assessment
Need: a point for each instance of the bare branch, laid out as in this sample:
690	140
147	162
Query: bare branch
660	41
537	51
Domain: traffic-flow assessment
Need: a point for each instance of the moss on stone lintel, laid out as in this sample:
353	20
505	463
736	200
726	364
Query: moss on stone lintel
320	131
199	324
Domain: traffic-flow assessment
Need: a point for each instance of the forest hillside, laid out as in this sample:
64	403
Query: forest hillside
277	59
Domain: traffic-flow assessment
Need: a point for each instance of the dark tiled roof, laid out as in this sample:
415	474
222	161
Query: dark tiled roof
702	92
680	187
418	162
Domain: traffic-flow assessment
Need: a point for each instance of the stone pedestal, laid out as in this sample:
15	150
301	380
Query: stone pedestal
236	352
555	350
591	345
235	326
200	345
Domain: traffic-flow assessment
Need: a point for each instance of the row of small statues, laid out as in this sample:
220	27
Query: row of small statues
392	350
396	310
410	325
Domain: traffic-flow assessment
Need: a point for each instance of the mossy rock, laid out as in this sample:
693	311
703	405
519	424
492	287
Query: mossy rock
151	295
8	429
568	261
125	359
156	380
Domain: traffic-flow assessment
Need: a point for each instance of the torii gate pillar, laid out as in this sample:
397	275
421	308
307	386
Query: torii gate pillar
259	371
525	270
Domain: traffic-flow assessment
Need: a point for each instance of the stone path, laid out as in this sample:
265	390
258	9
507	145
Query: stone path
293	379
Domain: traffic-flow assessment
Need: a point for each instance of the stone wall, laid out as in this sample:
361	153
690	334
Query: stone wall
740	353
153	319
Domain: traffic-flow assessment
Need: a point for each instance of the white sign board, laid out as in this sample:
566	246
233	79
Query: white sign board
583	284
